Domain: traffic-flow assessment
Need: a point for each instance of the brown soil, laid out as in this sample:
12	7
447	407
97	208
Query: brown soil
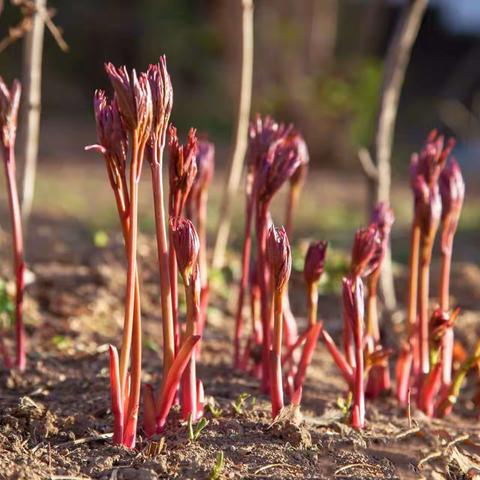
55	419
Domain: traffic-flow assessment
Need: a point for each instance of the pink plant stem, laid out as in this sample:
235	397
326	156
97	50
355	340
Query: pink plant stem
403	371
131	400
343	365
163	262
307	355
149	423
301	338
448	337
189	380
167	394
262	213
173	271
132	265
276	391
117	397
423	294
430	389
18	256
247	246
373	329
348	344
413	293
358	420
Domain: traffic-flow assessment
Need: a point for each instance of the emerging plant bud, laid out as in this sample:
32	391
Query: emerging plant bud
431	160
182	166
452	191
9	102
428	207
365	250
112	138
383	218
280	164
353	300
279	257
162	98
134	98
314	262
300	173
187	245
262	133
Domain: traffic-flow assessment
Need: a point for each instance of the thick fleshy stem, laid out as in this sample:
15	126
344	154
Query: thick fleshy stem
429	390
413	294
163	262
263	282
448	337
167	394
276	391
345	368
307	354
403	372
18	255
189	379
116	396
423	296
137	159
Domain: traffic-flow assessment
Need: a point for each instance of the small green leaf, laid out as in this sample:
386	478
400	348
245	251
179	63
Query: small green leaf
194	431
239	404
213	409
218	467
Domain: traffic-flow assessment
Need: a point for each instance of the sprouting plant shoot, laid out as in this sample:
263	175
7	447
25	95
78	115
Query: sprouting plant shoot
9	103
134	123
195	430
218	467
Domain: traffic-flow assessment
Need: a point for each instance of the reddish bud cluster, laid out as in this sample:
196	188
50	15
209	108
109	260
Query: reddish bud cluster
314	261
182	166
279	257
365	250
452	191
187	246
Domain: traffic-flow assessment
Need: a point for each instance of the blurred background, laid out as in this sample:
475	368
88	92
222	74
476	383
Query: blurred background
318	64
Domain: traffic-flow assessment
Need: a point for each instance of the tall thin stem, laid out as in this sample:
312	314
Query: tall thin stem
18	254
241	135
132	266
423	294
448	337
262	269
413	293
163	263
189	381
312	301
276	389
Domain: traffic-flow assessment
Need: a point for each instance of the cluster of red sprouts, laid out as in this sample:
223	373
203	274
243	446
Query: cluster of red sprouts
134	124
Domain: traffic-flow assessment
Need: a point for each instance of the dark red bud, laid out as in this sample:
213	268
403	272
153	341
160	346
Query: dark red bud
279	257
365	250
187	246
314	262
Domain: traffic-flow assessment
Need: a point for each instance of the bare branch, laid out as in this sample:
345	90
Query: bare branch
240	148
367	164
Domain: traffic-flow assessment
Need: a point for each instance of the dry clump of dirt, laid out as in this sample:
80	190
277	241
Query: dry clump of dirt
55	420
